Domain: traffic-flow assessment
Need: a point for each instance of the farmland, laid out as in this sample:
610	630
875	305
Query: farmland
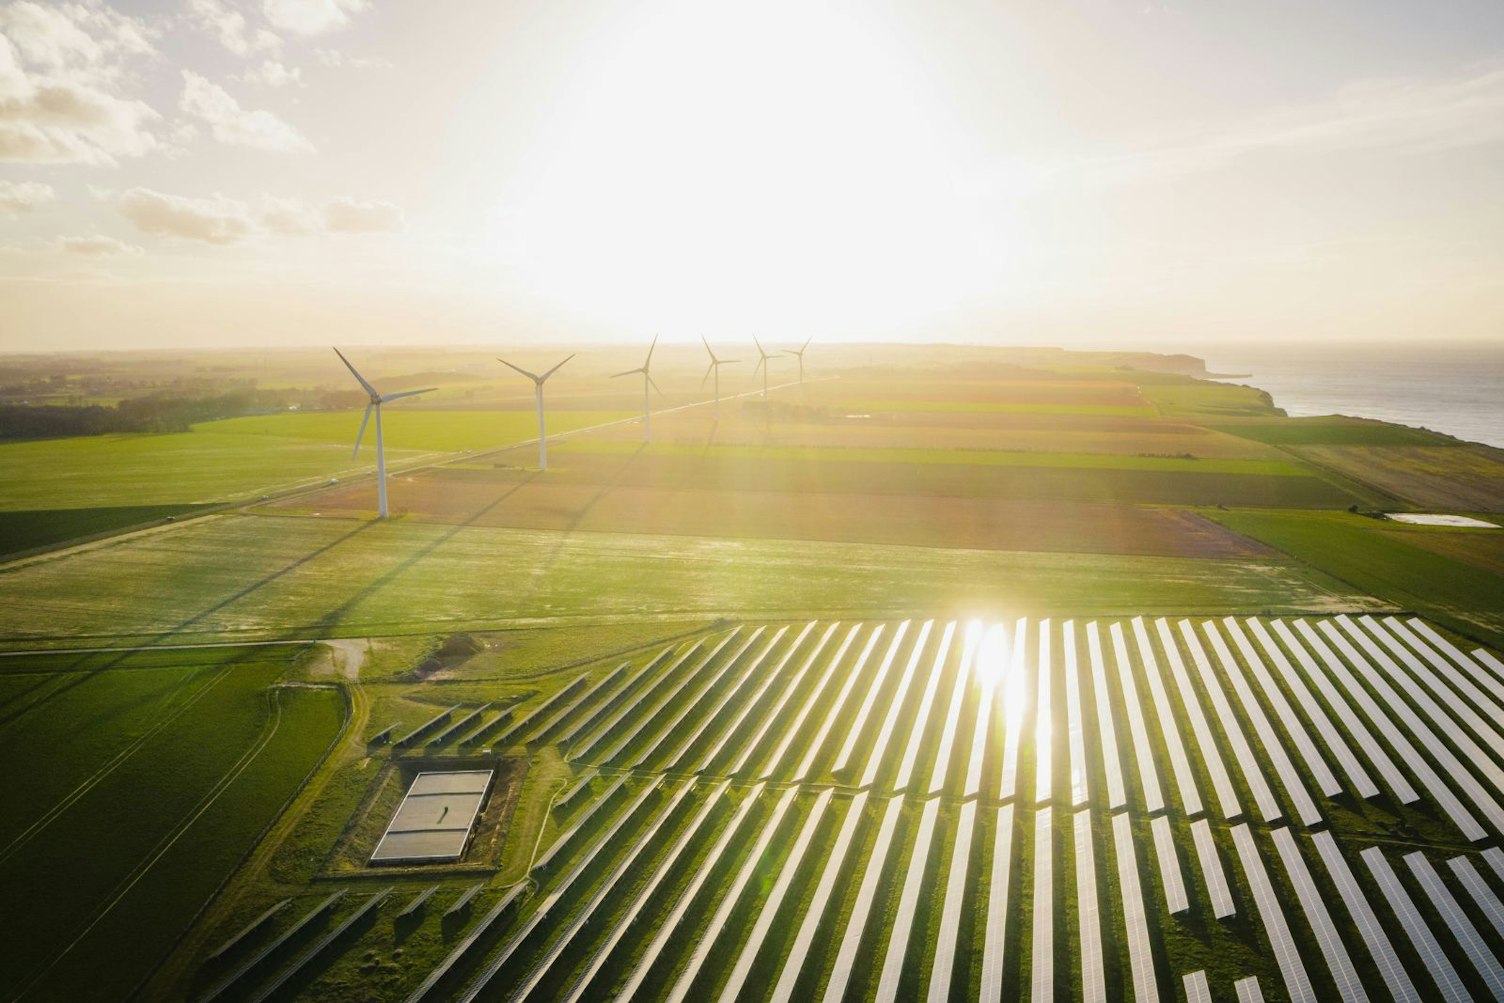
1013	674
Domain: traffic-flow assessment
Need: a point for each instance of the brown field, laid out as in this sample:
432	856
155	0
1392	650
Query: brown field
1447	478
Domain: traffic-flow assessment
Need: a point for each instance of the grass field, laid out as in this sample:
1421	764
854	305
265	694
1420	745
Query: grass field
136	783
414	429
1334	431
24	530
258	577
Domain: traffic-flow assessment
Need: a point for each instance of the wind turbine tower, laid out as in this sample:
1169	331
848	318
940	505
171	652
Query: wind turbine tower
377	399
714	367
762	363
647	381
800	353
538	382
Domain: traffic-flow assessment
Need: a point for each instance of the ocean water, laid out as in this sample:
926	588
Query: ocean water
1453	388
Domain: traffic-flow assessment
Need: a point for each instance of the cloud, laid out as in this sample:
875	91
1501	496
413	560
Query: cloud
221	220
311	17
61	100
23	196
273	74
233	124
345	215
216	220
96	246
336	59
1411	115
229	25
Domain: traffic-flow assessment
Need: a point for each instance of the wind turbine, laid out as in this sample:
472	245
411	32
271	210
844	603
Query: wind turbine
762	363
715	367
799	352
377	400
647	381
538	387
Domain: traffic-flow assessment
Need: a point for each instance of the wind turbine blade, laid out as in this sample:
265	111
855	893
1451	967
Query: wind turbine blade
362	433
759	347
524	372
649	360
555	369
713	359
706	378
629	372
806	344
651	383
758	368
407	393
369	389
726	362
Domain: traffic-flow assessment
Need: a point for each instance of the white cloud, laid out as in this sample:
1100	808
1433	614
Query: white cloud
216	220
23	196
221	220
311	17
96	246
345	215
233	124
61	99
229	25
273	74
336	59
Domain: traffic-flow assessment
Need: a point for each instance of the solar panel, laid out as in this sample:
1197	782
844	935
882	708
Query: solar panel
854	733
640	899
1196	988
1429	633
1326	780
1136	922
908	902
1450	763
1223	904
990	659
1272	912
995	938
669	715
793	963
1342	707
1089	913
769	911
1463	930
1143	752
853	676
1349	986
1488	903
1112	766
955	897
1044	720
793	729
1248	990
1484	695
953	716
1380	950
1169	866
1042	951
1201	729
1080	788
1421	938
731	897
1014	697
895	708
926	703
754	700
1273	742
1169	726
861	910
775	715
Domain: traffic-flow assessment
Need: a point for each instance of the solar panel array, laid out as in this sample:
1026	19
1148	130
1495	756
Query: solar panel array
923	808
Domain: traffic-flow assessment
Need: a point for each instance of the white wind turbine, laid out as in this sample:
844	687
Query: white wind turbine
762	363
538	388
800	353
376	401
647	381
714	367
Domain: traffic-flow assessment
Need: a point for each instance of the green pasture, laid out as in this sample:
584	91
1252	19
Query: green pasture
1201	398
24	530
180	468
1367	556
1334	431
950	457
247	576
136	786
412	428
999	407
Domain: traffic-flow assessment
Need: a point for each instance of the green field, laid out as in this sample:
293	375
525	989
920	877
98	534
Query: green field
412	428
1332	432
24	530
135	785
245	577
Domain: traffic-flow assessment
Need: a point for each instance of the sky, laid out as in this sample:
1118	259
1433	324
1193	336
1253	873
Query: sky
201	173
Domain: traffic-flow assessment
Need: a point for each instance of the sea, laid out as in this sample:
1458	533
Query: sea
1453	388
